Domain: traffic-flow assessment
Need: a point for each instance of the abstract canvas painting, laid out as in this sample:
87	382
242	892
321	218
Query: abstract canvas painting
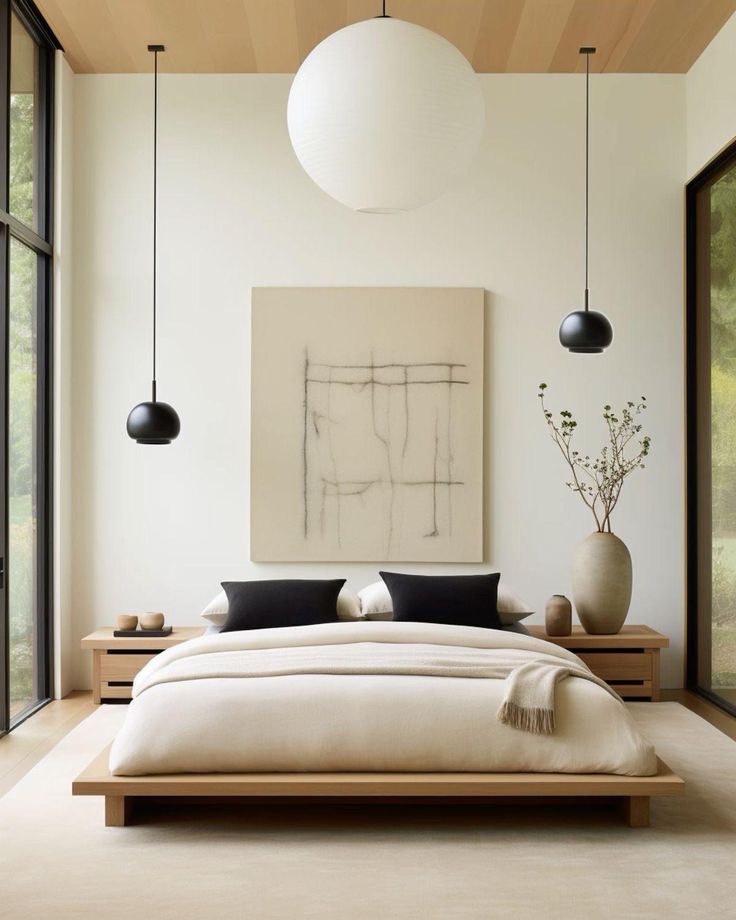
367	424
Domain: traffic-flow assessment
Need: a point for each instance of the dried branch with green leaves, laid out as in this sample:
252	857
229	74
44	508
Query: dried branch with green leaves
598	481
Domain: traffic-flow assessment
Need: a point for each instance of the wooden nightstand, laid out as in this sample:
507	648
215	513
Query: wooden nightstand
115	662
628	660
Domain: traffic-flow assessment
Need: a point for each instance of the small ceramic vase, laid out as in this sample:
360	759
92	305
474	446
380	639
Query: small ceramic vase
126	621
152	621
558	616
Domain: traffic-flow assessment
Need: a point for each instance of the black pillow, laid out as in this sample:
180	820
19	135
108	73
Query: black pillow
460	600
280	602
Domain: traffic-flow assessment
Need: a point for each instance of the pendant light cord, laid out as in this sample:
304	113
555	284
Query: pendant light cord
587	166
155	175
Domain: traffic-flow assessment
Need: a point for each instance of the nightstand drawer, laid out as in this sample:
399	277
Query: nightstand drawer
122	667
619	666
116	691
628	660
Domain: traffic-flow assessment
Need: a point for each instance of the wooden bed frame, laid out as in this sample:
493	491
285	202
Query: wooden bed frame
120	792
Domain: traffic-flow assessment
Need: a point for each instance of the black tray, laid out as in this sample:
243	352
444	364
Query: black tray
142	633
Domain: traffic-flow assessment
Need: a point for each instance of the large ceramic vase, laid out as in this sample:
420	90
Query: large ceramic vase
601	583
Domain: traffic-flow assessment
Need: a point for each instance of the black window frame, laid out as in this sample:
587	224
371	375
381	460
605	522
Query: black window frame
698	471
41	243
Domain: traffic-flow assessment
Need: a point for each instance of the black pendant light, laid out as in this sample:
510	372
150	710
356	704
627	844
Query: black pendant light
586	331
154	422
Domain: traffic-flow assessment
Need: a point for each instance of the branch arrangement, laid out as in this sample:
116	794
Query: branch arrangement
598	481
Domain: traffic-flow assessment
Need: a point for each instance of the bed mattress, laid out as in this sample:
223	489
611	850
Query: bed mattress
212	705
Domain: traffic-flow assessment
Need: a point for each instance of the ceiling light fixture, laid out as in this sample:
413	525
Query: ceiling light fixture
154	422
383	114
586	331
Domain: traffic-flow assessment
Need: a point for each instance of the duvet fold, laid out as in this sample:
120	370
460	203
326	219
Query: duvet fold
529	687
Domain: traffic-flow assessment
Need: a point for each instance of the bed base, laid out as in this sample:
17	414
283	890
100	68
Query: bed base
120	792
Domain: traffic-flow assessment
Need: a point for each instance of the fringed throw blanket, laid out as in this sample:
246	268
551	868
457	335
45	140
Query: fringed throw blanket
529	697
529	700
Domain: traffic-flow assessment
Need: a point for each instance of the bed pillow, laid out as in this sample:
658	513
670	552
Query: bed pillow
216	611
511	608
459	600
281	602
348	607
375	601
375	604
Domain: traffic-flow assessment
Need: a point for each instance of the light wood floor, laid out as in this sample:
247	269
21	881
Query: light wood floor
722	720
21	749
30	742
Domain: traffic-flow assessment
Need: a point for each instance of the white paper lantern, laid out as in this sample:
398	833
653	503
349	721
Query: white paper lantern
384	114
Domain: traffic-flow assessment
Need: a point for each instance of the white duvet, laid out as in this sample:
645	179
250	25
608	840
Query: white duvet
366	696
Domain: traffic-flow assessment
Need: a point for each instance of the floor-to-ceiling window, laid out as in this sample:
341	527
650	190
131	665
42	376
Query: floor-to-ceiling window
26	138
711	220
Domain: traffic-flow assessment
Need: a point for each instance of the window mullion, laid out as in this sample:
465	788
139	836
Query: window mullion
20	231
5	11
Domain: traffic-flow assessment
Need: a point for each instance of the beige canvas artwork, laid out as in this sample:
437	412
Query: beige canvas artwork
367	424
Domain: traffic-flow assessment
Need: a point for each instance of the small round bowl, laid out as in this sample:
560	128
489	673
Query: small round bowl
126	621
152	621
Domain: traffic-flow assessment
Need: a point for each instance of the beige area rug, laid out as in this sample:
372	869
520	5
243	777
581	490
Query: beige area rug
430	863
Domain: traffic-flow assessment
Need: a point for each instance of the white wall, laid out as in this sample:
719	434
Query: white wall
160	527
711	99
64	634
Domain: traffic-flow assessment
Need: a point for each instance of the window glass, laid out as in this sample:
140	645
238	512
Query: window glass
23	202
26	114
22	562
723	434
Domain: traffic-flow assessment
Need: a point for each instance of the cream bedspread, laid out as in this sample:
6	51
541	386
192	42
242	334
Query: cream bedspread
367	696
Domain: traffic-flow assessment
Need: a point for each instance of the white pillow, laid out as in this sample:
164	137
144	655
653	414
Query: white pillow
375	602
216	610
511	608
348	607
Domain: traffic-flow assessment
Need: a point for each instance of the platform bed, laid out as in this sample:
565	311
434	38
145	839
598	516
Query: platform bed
121	792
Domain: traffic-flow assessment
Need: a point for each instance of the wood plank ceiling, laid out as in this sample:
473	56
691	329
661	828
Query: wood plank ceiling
274	36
